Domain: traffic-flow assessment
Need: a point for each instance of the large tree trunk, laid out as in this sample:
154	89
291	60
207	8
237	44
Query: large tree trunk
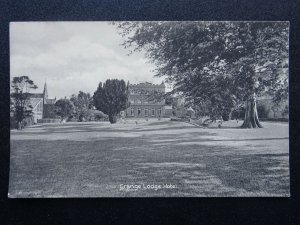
251	118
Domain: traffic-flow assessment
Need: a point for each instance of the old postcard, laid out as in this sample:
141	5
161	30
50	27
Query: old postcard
149	109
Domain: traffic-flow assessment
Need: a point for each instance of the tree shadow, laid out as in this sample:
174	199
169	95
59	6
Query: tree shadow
65	166
224	127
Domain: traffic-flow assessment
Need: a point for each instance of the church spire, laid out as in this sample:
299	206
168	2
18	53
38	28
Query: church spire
45	91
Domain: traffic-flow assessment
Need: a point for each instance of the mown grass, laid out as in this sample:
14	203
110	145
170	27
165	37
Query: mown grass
94	159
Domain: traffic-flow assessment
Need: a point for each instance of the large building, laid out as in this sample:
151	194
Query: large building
39	102
143	102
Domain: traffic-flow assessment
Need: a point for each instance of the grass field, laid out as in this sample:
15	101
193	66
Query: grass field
96	159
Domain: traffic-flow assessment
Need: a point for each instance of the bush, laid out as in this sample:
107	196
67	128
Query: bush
238	113
13	123
181	119
225	116
112	118
262	111
101	117
71	118
80	118
29	120
207	122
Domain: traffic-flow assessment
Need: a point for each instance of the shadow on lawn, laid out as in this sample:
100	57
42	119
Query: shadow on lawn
225	127
79	168
93	129
253	173
198	136
235	140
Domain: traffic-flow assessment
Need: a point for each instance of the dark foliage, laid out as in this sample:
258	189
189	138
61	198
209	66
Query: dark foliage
50	111
83	104
111	98
20	99
217	65
64	108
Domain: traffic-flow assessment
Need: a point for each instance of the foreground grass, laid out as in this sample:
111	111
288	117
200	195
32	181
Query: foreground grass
94	159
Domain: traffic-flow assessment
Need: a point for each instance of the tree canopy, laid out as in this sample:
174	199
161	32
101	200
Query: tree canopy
220	64
111	98
83	103
65	108
20	97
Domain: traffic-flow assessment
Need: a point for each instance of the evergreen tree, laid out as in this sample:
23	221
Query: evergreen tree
111	98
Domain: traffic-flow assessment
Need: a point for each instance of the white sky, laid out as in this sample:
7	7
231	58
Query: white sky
73	56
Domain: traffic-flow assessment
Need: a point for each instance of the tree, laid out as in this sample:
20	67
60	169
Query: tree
285	111
262	111
50	111
65	108
83	104
213	98
20	98
111	98
219	63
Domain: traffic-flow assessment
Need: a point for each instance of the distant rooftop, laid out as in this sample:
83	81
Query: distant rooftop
36	95
148	84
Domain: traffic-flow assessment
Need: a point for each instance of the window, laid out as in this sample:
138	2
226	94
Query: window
139	111
131	101
139	102
146	112
153	112
132	111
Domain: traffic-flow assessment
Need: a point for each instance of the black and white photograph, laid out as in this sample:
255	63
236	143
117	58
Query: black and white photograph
149	109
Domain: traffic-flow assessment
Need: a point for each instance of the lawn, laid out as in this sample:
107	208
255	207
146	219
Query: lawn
97	159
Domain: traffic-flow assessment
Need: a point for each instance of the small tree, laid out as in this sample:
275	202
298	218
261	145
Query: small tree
111	98
65	108
83	104
20	98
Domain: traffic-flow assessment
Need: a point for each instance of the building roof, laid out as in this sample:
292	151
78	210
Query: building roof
34	102
50	101
147	84
36	95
